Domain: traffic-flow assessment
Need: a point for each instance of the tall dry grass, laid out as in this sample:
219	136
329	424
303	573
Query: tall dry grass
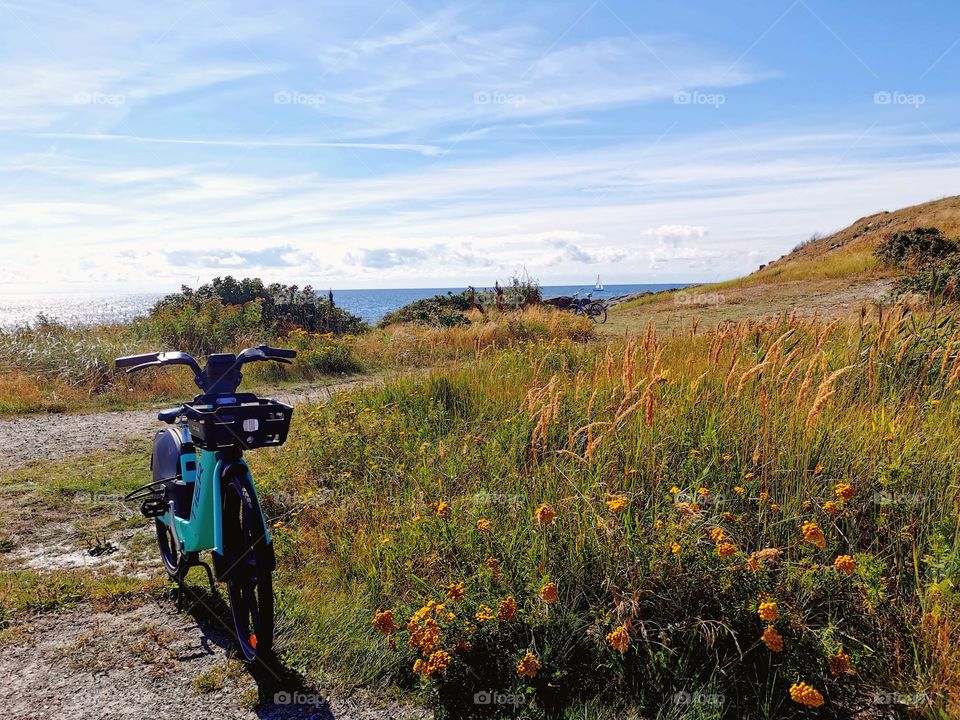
637	502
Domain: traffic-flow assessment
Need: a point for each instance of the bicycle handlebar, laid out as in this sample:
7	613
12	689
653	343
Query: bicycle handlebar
131	360
135	363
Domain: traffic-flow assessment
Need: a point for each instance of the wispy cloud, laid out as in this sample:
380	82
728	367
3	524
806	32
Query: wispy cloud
428	150
393	143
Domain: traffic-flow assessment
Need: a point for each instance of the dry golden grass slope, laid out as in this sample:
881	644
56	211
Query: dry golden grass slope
832	276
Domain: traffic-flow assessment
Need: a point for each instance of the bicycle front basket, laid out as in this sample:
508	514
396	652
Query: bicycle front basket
251	423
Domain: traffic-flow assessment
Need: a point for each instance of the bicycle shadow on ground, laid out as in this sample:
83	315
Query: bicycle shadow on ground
283	693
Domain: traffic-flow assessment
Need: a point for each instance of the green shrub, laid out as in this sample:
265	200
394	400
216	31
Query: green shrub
438	311
449	310
914	247
207	327
282	307
939	278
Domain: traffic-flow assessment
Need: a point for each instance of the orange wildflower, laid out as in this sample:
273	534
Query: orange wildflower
806	695
844	491
456	591
771	638
507	609
813	534
545	515
383	621
840	664
768	611
619	639
528	666
845	564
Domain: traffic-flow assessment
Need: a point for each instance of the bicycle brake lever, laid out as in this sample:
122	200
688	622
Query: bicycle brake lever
135	368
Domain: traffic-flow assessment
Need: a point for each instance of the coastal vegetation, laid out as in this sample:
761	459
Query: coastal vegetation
762	514
721	508
50	366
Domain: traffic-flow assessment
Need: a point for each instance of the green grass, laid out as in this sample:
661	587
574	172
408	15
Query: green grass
572	426
26	592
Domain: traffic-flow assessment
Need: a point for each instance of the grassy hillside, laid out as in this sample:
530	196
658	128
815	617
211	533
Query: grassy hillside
850	251
832	276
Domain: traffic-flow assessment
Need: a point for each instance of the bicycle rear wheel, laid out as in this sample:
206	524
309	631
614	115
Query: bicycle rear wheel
598	311
249	575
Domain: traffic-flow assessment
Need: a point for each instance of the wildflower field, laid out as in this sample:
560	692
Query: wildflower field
757	520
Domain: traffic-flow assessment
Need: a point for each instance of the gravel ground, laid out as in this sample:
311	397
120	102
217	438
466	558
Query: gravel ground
146	660
54	437
151	662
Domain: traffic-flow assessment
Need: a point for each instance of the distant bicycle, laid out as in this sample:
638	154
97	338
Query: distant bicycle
207	500
596	310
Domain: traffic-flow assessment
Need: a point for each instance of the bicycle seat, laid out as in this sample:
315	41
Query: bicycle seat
169	415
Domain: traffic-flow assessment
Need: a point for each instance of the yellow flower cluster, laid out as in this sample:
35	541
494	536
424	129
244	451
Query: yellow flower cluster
616	503
806	695
619	639
726	549
840	664
813	534
507	609
485	614
456	591
437	663
528	666
443	510
844	491
771	638
831	508
548	593
383	621
424	629
768	611
545	515
845	564
483	524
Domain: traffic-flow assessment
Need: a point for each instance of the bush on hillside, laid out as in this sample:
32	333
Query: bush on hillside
915	247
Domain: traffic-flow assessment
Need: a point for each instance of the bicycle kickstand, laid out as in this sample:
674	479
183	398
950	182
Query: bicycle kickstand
213	585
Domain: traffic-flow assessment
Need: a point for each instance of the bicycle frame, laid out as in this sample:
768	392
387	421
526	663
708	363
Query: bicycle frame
199	461
203	530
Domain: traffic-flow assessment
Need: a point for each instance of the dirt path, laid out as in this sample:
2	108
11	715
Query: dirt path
54	437
142	659
152	662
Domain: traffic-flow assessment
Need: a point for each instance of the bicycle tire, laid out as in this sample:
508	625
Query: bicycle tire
250	581
599	312
168	549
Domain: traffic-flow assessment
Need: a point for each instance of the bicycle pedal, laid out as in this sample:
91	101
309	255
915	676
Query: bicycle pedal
154	507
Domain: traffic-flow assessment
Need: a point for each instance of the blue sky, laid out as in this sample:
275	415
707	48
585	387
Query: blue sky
400	143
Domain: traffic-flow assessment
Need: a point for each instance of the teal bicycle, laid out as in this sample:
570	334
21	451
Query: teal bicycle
206	500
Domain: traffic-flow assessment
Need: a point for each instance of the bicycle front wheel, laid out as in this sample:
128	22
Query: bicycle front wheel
168	548
249	575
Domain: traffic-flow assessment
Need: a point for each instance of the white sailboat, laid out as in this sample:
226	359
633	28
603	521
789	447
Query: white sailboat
599	286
